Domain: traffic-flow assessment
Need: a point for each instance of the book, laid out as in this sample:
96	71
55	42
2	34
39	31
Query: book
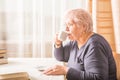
3	56
15	76
3	51
3	61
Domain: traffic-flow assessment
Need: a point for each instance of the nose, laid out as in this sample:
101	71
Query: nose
67	28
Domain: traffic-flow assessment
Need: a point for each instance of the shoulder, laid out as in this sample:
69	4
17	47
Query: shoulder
98	42
97	39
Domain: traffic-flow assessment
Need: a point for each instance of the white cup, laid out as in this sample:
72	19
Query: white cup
62	35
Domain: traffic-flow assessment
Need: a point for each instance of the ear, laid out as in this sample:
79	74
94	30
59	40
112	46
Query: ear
84	28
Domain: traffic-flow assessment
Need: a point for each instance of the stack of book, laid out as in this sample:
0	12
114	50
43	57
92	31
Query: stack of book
15	76
3	56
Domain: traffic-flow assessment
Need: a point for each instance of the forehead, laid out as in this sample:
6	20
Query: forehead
68	21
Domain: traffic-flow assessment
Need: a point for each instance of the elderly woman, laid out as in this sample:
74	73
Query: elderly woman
88	54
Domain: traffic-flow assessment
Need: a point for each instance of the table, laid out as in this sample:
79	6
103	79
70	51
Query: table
31	66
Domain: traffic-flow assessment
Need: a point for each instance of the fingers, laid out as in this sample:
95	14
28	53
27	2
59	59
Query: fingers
50	71
57	41
47	70
56	70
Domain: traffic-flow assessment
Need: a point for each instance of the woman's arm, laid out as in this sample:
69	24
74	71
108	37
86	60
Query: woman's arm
62	53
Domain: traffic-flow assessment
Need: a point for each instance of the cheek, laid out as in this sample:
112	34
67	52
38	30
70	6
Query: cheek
73	31
72	35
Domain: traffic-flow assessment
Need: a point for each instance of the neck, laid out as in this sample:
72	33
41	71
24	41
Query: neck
82	40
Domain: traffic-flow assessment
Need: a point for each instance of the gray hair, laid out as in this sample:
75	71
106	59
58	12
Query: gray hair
82	17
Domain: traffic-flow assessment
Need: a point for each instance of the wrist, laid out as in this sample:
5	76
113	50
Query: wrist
66	70
57	45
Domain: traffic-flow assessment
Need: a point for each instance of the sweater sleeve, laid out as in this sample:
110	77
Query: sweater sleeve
62	53
95	67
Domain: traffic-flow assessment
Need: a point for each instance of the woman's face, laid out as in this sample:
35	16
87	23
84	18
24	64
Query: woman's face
73	29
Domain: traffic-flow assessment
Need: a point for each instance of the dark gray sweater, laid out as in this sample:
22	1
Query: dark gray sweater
93	61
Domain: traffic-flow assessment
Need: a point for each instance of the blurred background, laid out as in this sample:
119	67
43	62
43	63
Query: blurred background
27	27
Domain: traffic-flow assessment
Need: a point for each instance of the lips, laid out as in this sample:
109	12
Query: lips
68	33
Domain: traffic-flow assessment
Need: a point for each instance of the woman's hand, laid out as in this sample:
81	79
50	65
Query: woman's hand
56	70
57	41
